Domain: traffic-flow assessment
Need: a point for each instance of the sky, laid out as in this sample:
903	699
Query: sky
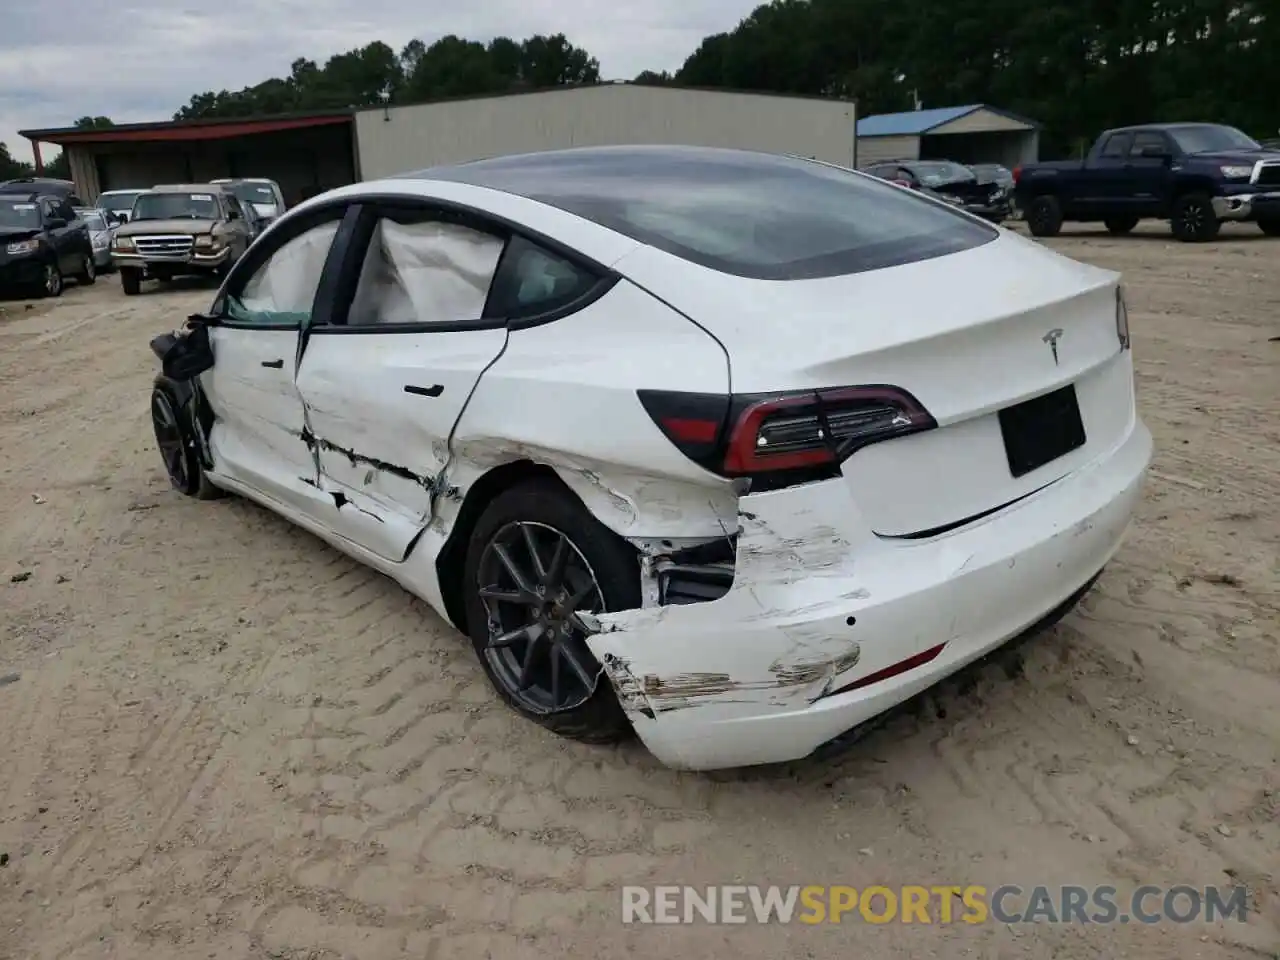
140	60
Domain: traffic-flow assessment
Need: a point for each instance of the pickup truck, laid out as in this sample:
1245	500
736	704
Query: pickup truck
1195	175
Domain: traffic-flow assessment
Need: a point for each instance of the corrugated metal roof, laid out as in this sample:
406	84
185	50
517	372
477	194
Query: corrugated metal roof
912	122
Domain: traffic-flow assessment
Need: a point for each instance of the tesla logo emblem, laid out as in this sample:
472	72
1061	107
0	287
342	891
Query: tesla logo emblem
1052	338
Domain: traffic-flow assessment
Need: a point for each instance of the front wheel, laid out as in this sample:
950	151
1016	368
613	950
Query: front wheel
1270	227
1193	219
176	443
536	560
51	283
130	281
1119	226
88	274
1044	217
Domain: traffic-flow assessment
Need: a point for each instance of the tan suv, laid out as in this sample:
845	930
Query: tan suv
180	230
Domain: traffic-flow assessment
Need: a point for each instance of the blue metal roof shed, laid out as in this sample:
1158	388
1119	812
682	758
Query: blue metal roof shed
972	133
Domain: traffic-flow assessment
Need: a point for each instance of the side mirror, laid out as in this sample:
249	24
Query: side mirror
233	215
53	223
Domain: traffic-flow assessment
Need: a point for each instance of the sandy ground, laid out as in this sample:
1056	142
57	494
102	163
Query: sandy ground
225	740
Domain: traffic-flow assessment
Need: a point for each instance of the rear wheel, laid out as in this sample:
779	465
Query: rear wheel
1193	219
130	281
536	560
1121	225
1270	227
88	271
1044	217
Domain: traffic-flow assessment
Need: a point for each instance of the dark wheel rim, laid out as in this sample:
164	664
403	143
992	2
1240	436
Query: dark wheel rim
169	439
1040	216
88	268
534	583
52	280
1193	217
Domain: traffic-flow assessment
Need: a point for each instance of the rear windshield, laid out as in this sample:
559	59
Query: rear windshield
747	214
175	206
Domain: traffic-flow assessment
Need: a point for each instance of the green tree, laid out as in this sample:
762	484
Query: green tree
10	166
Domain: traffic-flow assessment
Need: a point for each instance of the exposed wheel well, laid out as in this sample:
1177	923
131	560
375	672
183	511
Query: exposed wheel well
452	558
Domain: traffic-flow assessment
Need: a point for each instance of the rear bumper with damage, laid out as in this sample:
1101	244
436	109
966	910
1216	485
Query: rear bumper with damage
771	671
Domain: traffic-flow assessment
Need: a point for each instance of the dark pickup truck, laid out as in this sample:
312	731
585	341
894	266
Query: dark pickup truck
1195	175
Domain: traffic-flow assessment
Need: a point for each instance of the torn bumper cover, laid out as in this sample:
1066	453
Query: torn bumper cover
827	625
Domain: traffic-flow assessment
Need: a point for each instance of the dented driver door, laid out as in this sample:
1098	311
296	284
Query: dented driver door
384	385
258	435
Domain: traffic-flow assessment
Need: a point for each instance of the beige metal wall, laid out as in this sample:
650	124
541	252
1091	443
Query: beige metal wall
454	131
84	173
875	149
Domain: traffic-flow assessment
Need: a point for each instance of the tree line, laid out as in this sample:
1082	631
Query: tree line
1077	67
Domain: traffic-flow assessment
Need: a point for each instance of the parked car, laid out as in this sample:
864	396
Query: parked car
118	204
43	243
100	234
670	455
1195	175
45	187
953	182
263	195
180	230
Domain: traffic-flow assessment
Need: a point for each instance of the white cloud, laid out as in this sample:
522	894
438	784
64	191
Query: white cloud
141	60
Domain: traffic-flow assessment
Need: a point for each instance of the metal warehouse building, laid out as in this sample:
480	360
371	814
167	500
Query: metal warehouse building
975	133
309	153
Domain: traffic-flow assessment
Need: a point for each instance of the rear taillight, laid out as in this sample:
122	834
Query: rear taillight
1017	174
786	437
1122	319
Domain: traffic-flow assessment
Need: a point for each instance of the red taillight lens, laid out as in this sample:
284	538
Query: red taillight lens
1017	174
783	438
819	428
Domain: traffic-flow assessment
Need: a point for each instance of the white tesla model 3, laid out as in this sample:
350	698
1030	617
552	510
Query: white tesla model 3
732	450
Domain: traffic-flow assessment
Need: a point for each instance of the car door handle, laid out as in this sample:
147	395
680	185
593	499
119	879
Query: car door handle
274	364
432	391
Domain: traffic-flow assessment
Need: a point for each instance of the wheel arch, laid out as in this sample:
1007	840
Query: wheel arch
490	485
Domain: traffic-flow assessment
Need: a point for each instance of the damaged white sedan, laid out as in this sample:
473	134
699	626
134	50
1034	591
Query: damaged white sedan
733	450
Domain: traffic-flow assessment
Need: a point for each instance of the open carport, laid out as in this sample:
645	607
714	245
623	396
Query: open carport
305	153
976	133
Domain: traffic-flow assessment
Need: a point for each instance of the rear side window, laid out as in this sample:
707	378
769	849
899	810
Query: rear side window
1117	146
747	214
532	281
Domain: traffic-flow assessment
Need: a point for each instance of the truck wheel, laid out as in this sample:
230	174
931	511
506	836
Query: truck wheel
1193	219
1119	226
130	281
1044	217
1270	227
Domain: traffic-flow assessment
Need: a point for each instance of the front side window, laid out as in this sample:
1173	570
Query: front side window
1117	146
176	206
1211	137
420	270
282	291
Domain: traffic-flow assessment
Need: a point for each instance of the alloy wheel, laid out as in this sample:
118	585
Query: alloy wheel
534	582
1192	218
52	280
169	439
90	268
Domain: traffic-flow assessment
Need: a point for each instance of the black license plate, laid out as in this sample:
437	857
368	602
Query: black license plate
1041	430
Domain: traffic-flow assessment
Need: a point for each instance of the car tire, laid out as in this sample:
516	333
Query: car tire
52	282
130	281
88	274
176	443
1044	217
1270	227
1119	226
1193	219
577	700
